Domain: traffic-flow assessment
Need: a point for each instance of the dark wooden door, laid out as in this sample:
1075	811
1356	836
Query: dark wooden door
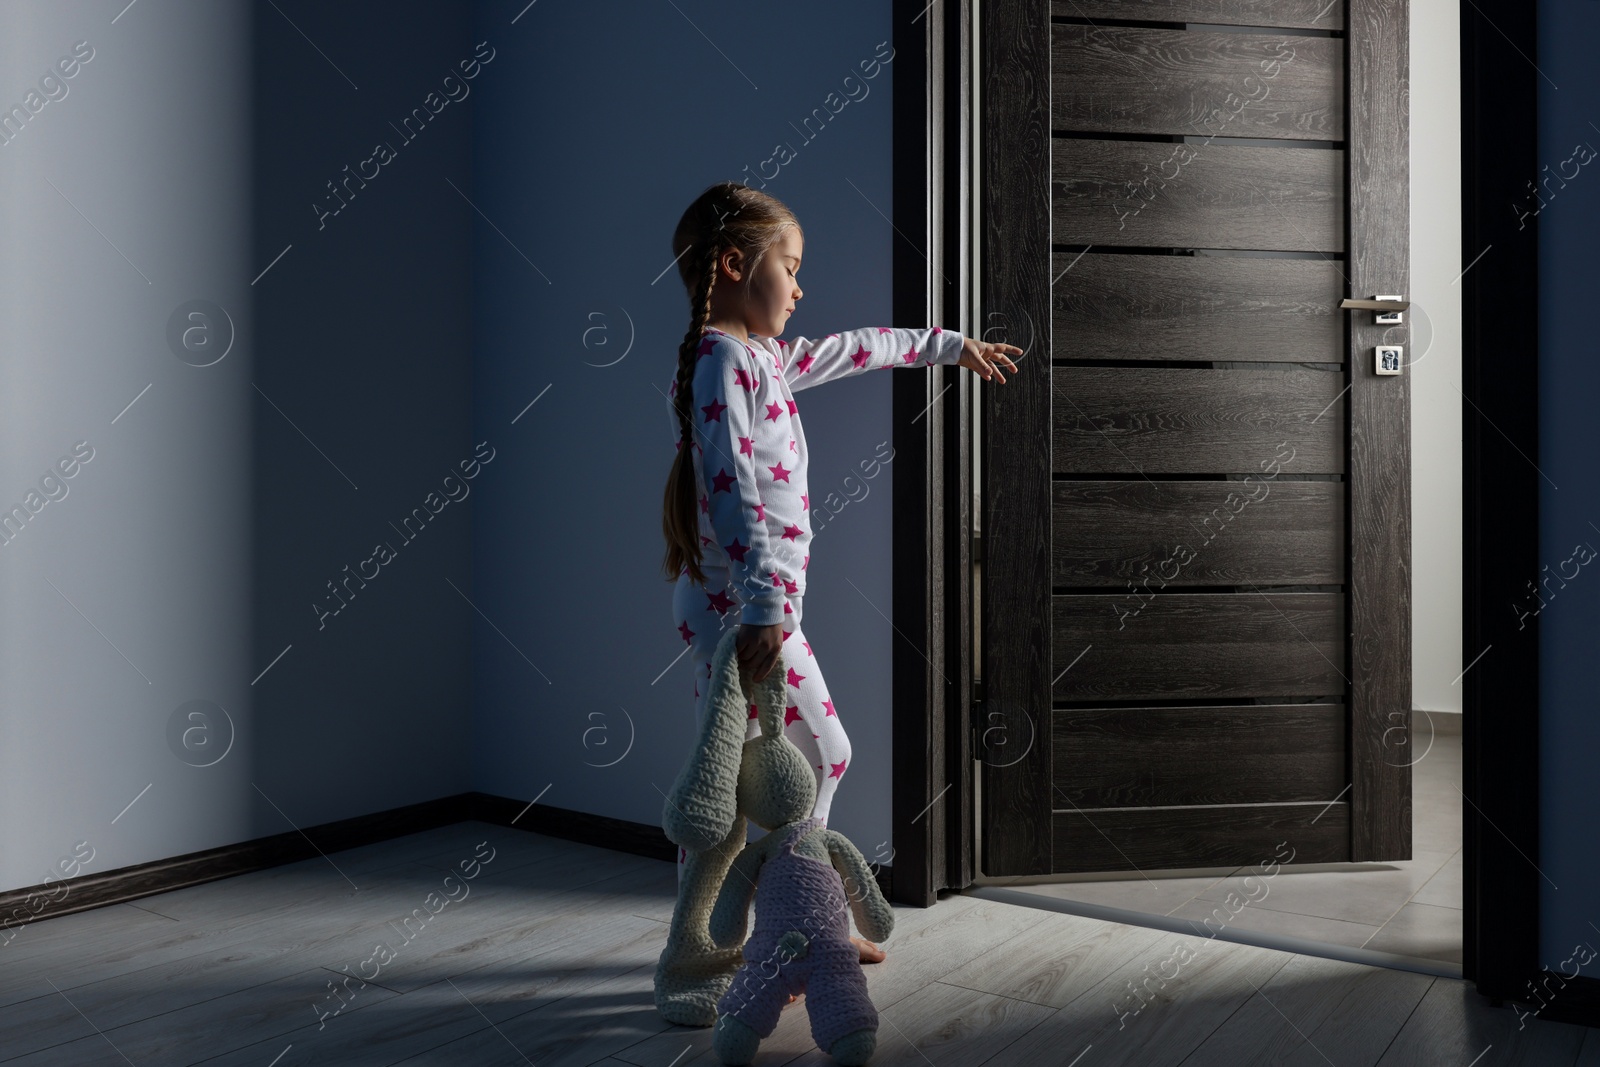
1195	587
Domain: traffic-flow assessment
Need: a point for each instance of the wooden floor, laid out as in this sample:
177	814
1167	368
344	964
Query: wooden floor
546	957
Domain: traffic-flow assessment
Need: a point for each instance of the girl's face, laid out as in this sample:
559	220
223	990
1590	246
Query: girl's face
773	290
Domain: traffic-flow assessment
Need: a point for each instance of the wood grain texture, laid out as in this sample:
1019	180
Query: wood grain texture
1198	533
1290	14
1016	308
1133	420
1183	645
1110	306
1380	436
1239	754
1198	83
1199	836
1162	195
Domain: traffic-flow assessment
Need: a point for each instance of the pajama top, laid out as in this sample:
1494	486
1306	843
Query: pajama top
750	450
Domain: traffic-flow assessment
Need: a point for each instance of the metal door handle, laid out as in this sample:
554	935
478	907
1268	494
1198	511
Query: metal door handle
1387	359
1381	304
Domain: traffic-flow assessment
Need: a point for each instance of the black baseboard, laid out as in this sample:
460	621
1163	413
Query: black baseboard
18	907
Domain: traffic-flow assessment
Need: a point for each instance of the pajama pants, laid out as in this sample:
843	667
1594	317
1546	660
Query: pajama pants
810	720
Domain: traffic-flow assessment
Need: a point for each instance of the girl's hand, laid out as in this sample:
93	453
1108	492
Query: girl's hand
758	646
985	358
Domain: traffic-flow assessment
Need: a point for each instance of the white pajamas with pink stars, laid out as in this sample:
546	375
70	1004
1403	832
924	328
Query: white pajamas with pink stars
754	517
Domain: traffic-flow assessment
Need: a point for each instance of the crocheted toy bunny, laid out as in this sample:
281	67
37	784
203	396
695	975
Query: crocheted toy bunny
801	874
701	815
705	814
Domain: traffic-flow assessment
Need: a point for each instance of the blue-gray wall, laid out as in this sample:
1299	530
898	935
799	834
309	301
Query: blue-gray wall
1568	229
583	172
182	561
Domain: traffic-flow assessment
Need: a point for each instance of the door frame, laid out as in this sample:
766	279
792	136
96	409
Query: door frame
933	791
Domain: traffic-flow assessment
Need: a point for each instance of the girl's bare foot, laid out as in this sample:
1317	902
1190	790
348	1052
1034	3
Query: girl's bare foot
870	953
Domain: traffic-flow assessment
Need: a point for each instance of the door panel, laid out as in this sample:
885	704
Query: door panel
1195	307
1128	535
1177	645
1127	79
1223	196
1235	754
1203	654
1153	839
1296	14
1131	420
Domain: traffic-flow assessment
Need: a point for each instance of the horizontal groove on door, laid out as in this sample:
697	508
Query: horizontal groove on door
1158	534
1198	645
1115	193
1161	420
1141	79
1289	14
1240	754
1195	308
1219	836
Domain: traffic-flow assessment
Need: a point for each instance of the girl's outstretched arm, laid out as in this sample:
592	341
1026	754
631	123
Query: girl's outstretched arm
808	362
730	390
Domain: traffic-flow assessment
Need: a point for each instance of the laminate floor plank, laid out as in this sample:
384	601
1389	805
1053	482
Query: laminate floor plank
1454	1024
1156	1008
1316	1011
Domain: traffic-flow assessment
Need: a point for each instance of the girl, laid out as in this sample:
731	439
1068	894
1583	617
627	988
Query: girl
736	510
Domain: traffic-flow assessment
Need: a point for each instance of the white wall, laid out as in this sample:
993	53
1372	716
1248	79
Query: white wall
1436	343
1435	339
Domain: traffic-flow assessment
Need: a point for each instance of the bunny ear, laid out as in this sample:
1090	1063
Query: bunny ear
770	697
700	810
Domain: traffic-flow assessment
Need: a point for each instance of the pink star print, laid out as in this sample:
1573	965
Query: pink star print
838	770
805	361
829	705
885	329
683	628
861	356
773	411
792	409
912	356
736	550
761	511
795	678
706	346
808	648
714	410
705	505
746	447
742	376
719	600
790	532
805	501
779	473
790	714
752	711
723	481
